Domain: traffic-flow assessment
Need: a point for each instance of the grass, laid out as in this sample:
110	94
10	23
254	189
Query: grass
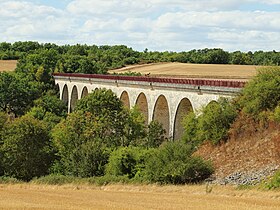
193	70
122	196
8	65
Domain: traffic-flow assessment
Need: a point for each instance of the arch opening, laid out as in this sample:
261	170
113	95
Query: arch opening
161	113
74	98
65	95
184	108
142	105
125	99
84	92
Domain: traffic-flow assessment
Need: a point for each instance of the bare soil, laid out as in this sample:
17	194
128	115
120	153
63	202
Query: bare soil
31	196
253	149
8	65
194	70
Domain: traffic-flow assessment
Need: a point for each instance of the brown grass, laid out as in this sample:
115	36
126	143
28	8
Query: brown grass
25	196
8	65
194	70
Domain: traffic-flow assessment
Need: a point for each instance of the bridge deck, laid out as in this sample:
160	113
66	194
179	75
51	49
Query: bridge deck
197	82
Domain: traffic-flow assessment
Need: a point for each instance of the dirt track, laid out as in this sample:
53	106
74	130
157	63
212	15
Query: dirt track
134	197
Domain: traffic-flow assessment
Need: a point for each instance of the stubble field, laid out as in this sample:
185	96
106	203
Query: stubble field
7	65
31	196
218	71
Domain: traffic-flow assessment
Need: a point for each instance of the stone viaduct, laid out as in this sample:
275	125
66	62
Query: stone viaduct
166	100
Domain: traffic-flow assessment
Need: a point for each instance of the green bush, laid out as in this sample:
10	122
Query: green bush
8	180
54	179
274	182
213	124
126	161
262	93
172	163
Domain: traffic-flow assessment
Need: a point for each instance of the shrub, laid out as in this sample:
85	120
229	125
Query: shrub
173	164
126	161
274	183
54	179
9	180
262	93
213	124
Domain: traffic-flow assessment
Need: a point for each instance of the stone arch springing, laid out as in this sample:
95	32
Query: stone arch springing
125	99
74	98
184	108
161	113
65	95
84	92
142	105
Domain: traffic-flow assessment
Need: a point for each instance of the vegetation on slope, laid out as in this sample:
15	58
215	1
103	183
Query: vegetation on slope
100	137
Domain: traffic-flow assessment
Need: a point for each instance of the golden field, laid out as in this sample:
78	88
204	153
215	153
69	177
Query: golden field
193	70
136	197
8	65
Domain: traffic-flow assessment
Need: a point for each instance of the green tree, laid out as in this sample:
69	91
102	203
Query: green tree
17	93
81	150
213	124
135	129
26	148
155	135
262	93
108	112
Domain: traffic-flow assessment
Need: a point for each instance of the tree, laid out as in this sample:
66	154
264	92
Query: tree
135	130
83	140
213	124
26	148
16	93
108	112
262	93
155	135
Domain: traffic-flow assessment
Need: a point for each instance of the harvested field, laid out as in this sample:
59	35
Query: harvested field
194	70
8	65
31	196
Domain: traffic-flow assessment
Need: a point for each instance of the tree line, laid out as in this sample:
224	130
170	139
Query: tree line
99	59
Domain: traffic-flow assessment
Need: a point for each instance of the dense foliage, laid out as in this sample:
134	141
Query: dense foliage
213	123
98	59
26	148
101	138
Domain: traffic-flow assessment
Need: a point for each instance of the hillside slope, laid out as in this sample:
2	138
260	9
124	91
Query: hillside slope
255	153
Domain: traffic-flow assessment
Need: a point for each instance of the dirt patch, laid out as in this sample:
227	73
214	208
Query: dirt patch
193	70
251	151
27	196
8	65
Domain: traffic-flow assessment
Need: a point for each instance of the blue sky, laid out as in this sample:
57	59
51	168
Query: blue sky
163	25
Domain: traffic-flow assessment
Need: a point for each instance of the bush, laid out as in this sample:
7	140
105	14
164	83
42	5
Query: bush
274	183
173	164
9	180
213	124
262	93
126	161
54	179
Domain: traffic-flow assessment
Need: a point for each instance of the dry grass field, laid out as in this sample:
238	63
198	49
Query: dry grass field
31	196
8	65
193	70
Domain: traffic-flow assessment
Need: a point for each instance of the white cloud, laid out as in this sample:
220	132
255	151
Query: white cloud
156	24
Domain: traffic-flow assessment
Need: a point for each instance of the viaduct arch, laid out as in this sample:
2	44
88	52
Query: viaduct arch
163	99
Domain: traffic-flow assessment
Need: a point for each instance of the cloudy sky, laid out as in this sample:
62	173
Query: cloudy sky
173	25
